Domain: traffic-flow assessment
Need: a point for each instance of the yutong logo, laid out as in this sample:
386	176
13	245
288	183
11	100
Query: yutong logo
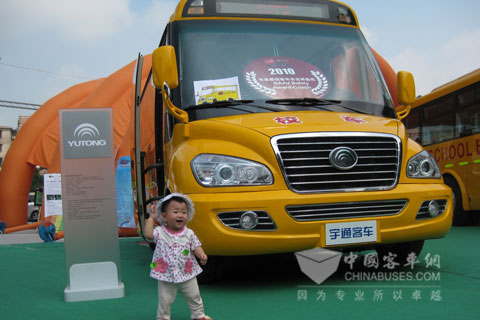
86	134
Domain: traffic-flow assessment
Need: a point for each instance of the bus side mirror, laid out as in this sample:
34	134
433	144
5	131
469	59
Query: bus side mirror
406	92
165	77
164	66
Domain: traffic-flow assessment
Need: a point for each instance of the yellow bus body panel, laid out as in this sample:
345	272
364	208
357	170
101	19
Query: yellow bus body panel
248	137
293	235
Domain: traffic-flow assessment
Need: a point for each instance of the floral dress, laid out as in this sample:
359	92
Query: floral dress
173	258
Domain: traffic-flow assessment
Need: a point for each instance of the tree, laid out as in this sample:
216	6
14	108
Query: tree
37	181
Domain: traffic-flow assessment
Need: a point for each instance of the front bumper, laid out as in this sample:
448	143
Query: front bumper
290	235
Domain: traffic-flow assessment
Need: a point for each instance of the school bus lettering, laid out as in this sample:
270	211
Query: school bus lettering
456	151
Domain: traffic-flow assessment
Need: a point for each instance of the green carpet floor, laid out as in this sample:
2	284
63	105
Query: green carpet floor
33	278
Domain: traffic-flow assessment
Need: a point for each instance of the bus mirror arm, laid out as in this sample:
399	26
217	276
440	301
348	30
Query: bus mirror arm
403	112
176	112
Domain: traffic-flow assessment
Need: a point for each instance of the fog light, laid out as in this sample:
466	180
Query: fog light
433	208
248	220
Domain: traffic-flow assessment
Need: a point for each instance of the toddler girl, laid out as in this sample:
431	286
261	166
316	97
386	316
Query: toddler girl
174	264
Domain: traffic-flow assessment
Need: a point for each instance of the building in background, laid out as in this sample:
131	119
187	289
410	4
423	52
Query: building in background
21	121
7	135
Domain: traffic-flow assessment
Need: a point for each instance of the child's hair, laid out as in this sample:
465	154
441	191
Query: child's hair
179	197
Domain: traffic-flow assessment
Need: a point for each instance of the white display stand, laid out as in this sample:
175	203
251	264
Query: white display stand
92	249
94	281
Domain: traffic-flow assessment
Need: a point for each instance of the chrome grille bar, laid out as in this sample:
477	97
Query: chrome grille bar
304	160
345	210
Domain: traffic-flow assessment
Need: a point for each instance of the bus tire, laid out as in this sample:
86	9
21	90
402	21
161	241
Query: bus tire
460	217
401	250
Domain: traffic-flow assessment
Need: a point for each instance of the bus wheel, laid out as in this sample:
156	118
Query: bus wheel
401	250
460	217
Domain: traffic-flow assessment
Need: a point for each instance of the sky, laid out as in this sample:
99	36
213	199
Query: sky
47	46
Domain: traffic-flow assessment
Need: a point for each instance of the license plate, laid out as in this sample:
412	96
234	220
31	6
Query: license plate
350	232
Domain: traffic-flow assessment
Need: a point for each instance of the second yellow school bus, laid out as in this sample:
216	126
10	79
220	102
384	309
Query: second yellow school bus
311	153
447	123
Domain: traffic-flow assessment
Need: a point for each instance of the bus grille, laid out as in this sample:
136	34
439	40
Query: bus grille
304	159
344	210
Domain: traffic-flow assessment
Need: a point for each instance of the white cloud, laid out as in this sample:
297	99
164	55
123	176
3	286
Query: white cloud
369	35
438	65
73	72
462	54
159	13
83	20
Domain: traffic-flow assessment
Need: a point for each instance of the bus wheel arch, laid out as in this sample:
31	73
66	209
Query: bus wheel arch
460	216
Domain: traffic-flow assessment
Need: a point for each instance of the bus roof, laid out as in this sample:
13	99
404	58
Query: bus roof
451	86
326	11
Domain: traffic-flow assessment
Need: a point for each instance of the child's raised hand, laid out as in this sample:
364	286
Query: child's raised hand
203	259
201	255
153	220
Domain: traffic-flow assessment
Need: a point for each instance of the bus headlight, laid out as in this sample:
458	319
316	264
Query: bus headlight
423	165
213	170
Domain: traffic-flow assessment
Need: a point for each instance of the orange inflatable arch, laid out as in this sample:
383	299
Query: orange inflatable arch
37	142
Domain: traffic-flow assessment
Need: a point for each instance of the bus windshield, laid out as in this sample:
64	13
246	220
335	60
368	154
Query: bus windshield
268	61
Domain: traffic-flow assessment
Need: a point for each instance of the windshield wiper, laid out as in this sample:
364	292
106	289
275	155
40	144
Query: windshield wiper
303	102
219	104
352	109
313	102
231	103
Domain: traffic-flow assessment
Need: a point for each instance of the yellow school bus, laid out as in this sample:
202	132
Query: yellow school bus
217	93
311	153
447	123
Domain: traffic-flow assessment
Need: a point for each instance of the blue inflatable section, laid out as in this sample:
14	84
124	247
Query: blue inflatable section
46	231
3	226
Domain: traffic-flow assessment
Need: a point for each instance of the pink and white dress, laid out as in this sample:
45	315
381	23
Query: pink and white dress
173	258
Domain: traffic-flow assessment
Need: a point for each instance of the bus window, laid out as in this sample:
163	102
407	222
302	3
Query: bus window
466	98
337	56
413	125
439	124
345	68
467	117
